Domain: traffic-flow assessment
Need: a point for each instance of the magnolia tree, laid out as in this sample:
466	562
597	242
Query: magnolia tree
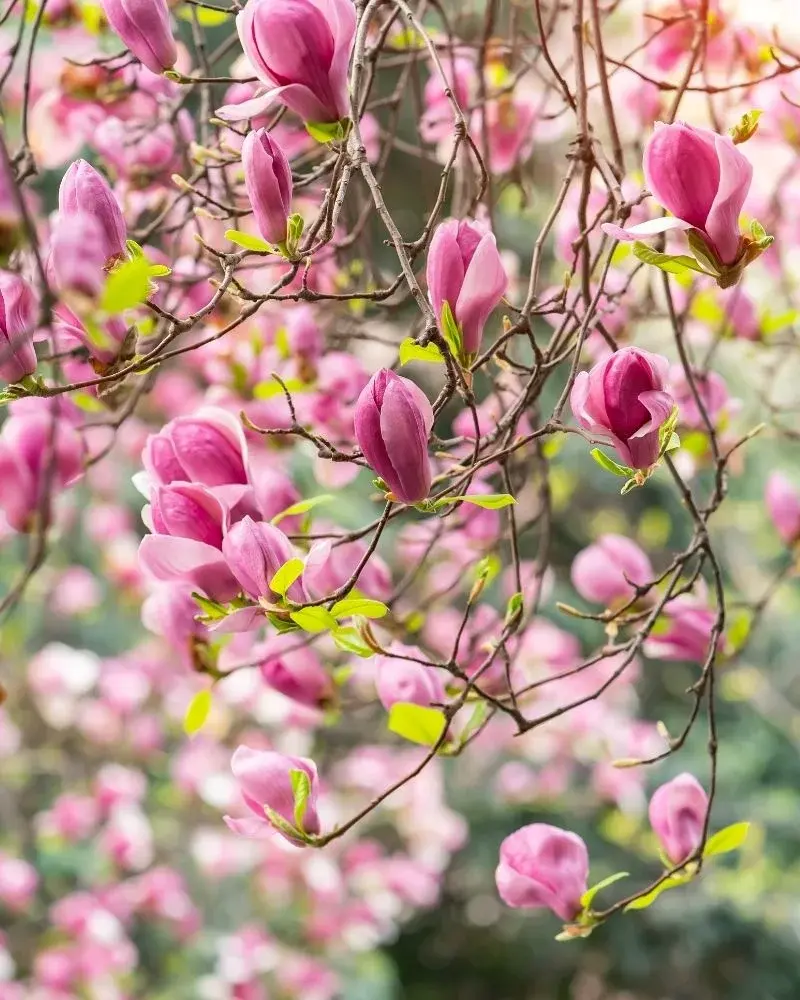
371	302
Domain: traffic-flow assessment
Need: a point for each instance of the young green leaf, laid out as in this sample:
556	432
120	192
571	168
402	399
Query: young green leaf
211	609
728	839
609	464
588	896
197	713
451	331
248	242
286	576
269	389
302	506
127	286
667	262
411	351
301	789
349	640
206	17
315	619
417	723
350	606
489	501
328	131
647	900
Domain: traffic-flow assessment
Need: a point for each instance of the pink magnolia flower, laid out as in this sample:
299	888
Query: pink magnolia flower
328	567
207	446
437	120
18	882
188	522
783	503
606	571
713	391
301	49
542	866
264	779
295	670
405	680
702	178
19	308
510	125
39	449
254	552
465	270
393	421
84	191
677	814
688	624
623	400
143	25
268	179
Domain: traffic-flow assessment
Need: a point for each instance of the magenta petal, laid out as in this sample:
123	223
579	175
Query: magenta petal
406	440
253	108
485	282
736	174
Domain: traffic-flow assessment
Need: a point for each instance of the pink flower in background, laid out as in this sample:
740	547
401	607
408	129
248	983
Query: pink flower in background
19	307
782	498
18	882
688	623
606	571
398	679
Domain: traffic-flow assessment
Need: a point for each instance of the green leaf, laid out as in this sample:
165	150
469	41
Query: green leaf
609	464
302	506
728	839
739	630
411	351
363	606
488	568
301	789
134	249
417	723
773	323
248	242
451	331
286	576
746	127
475	721
205	17
291	832
647	900
88	403
588	896
667	262
158	270
329	131
269	389
702	252
127	286
490	501
514	608
350	641
313	619
211	609
197	713
631	484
